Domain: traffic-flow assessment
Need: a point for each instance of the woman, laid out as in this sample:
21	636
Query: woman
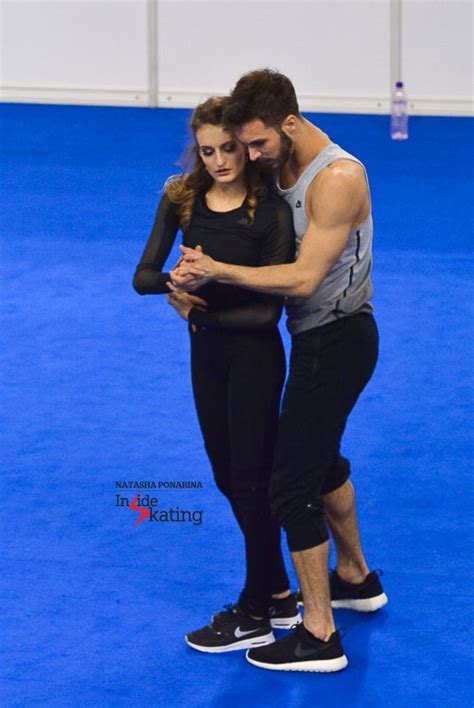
237	357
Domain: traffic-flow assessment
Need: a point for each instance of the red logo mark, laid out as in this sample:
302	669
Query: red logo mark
143	512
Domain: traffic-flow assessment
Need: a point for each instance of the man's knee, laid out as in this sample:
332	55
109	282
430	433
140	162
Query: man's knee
307	529
301	515
339	504
337	475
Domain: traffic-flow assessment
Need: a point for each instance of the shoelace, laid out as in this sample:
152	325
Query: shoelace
222	617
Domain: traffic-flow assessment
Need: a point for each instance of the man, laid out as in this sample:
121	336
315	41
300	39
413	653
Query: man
334	352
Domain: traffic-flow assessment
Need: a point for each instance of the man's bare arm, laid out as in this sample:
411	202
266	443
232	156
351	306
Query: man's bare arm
333	204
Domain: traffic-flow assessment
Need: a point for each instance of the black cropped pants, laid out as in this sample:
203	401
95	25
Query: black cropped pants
237	379
329	367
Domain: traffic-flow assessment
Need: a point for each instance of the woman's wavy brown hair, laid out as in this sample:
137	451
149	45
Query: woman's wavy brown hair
183	189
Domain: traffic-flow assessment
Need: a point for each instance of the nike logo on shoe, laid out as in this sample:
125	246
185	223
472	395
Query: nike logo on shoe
301	653
239	633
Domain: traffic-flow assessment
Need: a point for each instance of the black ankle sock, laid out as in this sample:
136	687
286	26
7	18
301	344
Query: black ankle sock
252	611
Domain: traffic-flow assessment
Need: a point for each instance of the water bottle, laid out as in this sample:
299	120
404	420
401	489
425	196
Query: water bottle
399	119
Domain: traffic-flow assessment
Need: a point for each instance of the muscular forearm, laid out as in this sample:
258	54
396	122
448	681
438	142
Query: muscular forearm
298	279
286	280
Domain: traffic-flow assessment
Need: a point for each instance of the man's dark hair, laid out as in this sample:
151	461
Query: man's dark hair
264	95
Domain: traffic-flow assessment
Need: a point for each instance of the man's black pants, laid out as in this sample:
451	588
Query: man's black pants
329	367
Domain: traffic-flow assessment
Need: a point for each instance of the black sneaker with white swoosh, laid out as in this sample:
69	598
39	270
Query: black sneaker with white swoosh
231	630
300	651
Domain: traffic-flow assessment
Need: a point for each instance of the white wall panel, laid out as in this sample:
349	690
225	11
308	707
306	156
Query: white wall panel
131	52
337	52
92	48
437	48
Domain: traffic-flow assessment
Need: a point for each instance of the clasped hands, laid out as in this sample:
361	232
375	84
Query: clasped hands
192	270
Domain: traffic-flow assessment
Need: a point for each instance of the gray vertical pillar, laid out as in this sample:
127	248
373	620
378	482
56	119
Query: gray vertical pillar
396	41
152	52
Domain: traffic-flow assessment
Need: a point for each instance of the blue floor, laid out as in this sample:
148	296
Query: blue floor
95	388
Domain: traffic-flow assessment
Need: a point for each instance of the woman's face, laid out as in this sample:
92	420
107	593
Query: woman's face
223	156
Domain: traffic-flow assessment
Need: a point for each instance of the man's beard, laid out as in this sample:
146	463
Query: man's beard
286	148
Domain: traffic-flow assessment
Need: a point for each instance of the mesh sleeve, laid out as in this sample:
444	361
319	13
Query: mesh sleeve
149	278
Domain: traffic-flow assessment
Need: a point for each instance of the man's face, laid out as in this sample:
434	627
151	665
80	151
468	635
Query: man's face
272	148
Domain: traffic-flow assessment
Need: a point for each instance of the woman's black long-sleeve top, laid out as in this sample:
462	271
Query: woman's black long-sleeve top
229	238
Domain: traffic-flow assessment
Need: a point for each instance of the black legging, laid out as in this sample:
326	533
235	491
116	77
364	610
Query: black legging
237	381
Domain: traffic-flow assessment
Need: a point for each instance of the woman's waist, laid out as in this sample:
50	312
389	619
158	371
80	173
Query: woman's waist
233	334
221	297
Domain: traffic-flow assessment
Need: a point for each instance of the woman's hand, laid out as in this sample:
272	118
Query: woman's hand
184	302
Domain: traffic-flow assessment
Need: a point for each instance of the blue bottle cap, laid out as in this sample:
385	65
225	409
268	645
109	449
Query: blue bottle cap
399	84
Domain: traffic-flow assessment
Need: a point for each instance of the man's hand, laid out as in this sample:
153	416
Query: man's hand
185	282
197	263
193	270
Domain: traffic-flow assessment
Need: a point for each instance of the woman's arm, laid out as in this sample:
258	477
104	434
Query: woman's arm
277	247
148	278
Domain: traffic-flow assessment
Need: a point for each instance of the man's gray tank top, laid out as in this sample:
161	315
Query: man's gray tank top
346	289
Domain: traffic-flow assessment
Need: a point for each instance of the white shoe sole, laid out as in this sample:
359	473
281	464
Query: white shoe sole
286	622
370	604
322	666
235	646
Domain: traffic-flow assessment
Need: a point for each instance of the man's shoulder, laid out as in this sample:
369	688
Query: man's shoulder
341	188
339	177
343	168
